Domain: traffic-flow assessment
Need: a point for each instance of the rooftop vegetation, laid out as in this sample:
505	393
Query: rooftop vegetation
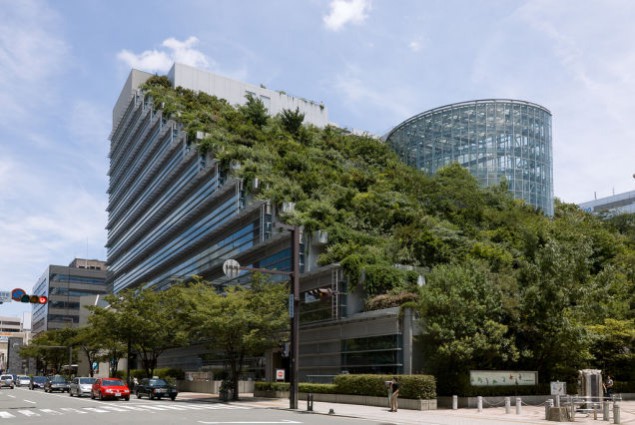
506	287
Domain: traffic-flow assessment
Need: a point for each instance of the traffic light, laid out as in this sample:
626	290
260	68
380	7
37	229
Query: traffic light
34	299
20	295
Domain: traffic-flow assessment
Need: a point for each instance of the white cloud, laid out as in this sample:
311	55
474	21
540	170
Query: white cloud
161	61
344	12
415	46
31	54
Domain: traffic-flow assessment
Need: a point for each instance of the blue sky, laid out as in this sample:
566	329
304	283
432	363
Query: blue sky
374	63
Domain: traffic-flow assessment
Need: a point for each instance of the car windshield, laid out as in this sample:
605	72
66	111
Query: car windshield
113	382
39	378
158	382
22	377
87	380
58	379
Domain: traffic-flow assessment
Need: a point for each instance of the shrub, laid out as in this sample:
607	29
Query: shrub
411	386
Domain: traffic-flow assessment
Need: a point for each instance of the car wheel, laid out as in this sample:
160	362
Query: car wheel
127	398
172	397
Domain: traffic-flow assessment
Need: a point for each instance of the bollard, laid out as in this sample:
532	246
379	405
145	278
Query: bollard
507	405
571	407
548	406
616	413
479	403
518	406
605	410
557	400
595	411
309	402
455	402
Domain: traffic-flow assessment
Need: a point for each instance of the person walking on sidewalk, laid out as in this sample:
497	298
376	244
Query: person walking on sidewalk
394	387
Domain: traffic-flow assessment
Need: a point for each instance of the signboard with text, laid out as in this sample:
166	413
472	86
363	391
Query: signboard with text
484	378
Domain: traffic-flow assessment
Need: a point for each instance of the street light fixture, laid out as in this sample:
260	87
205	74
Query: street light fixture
231	268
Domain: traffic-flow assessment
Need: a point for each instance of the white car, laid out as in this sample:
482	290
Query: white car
23	381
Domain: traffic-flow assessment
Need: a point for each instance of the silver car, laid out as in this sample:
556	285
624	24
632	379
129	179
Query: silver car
7	381
81	385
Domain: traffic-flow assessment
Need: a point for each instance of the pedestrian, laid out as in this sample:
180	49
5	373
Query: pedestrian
394	387
608	386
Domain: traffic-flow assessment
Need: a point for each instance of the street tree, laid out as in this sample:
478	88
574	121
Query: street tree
90	340
146	321
239	322
51	348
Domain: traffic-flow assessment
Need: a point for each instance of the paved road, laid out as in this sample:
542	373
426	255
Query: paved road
22	407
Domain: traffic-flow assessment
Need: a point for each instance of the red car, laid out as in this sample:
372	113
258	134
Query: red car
104	388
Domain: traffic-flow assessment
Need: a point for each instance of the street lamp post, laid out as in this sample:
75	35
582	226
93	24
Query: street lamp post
231	269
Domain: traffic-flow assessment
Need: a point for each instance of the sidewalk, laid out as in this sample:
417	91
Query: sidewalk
492	415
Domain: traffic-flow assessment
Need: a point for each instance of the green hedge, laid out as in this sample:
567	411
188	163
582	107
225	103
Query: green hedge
411	386
303	387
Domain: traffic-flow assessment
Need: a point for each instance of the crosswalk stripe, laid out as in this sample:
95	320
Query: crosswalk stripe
94	409
134	407
28	413
73	410
172	407
119	408
155	407
115	408
51	411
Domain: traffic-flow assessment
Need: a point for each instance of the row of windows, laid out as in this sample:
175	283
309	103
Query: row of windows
174	248
132	195
69	278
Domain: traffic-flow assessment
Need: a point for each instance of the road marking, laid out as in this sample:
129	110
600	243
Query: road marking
28	413
51	411
29	401
280	422
6	415
94	409
134	407
175	407
155	407
72	409
115	408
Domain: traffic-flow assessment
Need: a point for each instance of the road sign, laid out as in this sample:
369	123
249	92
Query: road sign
231	268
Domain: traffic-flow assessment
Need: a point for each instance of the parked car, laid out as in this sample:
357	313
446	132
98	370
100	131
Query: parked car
56	383
23	381
81	385
7	381
155	388
104	388
37	382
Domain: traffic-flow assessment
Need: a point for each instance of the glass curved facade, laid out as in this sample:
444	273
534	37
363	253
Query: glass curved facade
493	139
